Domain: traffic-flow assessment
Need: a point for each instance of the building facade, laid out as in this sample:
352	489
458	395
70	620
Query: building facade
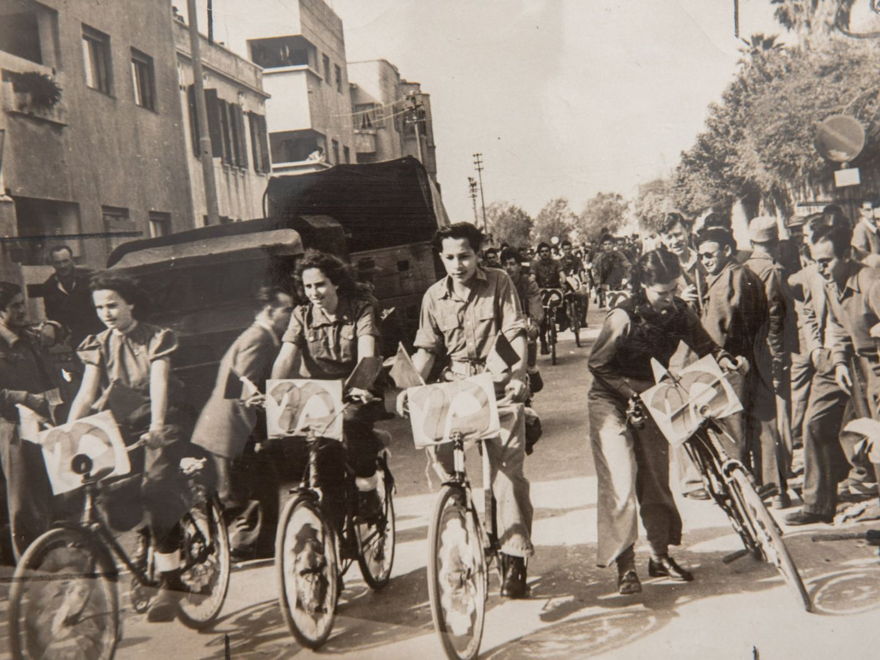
300	46
391	116
92	148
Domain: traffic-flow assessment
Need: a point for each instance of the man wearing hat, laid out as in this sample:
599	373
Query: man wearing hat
782	336
736	317
866	235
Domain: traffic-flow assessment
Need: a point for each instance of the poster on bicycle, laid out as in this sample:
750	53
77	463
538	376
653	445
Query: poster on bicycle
467	406
294	406
96	436
679	402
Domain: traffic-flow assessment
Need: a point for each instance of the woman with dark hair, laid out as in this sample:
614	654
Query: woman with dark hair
327	337
128	371
632	464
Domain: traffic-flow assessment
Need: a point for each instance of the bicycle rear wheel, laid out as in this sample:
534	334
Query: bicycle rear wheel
767	534
457	575
64	601
206	564
574	321
307	569
376	538
551	340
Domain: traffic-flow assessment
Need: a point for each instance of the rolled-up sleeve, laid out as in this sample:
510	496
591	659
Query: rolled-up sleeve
295	333
428	336
613	334
512	322
367	323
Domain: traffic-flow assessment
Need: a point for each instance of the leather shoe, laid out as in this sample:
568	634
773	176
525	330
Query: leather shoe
514	584
628	583
665	566
806	518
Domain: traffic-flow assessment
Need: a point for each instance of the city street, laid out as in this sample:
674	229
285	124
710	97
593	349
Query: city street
741	610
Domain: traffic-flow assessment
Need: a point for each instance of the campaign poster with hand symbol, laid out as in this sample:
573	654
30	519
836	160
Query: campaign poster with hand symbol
96	436
467	406
294	406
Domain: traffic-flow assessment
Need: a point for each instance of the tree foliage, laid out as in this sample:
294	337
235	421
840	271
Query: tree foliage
555	219
757	145
508	223
604	212
653	202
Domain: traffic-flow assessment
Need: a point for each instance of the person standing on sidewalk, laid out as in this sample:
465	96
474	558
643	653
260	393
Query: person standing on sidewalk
632	464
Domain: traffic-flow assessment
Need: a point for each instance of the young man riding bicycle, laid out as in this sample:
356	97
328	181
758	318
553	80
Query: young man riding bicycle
461	316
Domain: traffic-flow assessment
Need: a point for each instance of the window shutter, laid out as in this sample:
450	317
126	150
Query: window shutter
214	129
242	141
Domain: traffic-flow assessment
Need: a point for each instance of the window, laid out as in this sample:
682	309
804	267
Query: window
259	143
338	72
160	224
327	78
366	116
346	152
143	80
96	56
119	227
225	127
278	52
335	152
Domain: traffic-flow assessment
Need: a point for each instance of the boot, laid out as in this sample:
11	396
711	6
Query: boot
166	604
627	579
514	572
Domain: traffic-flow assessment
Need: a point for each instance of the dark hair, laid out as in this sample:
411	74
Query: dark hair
489	250
8	291
460	231
544	245
672	219
606	237
717	220
565	242
838	235
59	248
509	253
658	266
269	295
716	235
126	286
332	266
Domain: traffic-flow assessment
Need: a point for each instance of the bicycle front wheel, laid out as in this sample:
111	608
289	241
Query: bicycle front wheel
768	535
457	575
307	569
551	339
206	564
376	538
64	601
574	321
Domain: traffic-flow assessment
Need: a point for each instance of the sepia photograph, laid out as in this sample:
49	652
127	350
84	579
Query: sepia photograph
455	329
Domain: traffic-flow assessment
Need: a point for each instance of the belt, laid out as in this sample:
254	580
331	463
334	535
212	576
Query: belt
467	366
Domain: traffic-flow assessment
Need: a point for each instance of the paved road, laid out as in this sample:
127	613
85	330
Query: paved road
574	610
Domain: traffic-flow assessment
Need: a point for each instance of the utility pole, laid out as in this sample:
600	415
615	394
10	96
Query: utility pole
206	154
472	186
211	21
478	165
415	110
736	18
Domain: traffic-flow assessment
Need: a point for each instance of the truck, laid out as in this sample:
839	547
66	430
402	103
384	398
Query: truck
379	217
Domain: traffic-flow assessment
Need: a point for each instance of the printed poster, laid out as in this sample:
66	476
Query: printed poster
468	406
295	405
96	436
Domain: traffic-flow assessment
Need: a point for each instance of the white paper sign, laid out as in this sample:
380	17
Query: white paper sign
96	436
467	406
294	405
679	403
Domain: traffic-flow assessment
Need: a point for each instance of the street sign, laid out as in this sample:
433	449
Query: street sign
848	177
840	138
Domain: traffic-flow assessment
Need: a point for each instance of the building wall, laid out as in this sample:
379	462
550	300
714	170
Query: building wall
378	82
240	186
98	150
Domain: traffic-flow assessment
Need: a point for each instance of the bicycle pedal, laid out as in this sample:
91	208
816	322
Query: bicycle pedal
733	556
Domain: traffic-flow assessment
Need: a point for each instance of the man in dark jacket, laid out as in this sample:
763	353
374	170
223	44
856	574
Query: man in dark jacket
735	315
67	298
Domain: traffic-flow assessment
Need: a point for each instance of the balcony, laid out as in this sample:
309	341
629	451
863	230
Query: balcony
23	98
365	141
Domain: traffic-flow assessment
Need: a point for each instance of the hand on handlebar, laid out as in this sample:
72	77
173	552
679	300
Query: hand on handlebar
738	364
358	395
515	391
401	405
255	401
636	415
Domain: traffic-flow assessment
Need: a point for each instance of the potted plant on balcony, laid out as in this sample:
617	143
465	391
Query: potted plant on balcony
37	91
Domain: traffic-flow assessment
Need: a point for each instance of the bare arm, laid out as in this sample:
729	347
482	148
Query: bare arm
423	361
160	373
286	360
366	346
87	394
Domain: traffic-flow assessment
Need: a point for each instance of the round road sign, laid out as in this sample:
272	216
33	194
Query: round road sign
840	138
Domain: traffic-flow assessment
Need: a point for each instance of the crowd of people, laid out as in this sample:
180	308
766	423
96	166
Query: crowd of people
794	321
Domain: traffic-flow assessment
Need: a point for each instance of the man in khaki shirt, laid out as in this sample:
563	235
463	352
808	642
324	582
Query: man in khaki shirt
461	316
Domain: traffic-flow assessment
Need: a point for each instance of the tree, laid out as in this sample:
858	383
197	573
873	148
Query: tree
654	201
604	212
812	20
555	219
508	223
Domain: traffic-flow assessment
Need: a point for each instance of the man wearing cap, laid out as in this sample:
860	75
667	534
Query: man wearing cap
782	336
866	235
736	317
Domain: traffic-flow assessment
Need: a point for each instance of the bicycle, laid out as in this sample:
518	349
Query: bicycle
64	599
732	487
551	300
461	553
309	558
